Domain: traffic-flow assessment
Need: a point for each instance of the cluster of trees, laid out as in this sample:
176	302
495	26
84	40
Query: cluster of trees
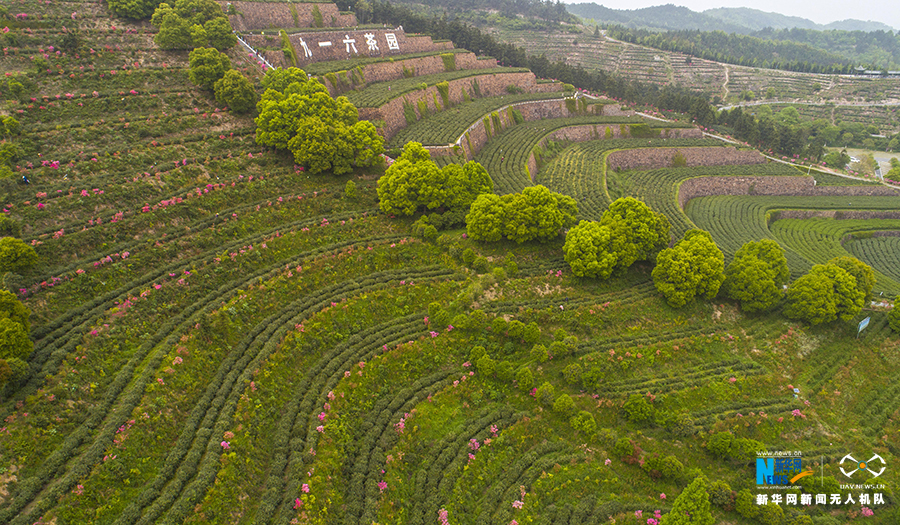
190	24
837	289
757	275
739	49
784	132
414	182
694	266
534	214
15	346
211	69
297	114
875	48
629	231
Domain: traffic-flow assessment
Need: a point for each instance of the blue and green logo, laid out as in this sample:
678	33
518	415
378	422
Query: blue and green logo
779	470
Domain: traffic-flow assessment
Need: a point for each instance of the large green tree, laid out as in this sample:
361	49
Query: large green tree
414	182
207	66
14	342
537	214
15	255
694	266
824	294
638	232
629	231
13	309
862	272
691	506
894	318
235	91
756	275
486	218
587	250
323	133
192	23
134	9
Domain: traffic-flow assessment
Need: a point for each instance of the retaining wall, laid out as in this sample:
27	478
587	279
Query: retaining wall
798	186
598	132
489	85
252	16
652	158
386	71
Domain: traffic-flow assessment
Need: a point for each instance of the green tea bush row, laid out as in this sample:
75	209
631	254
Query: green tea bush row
126	401
293	430
363	466
434	483
224	391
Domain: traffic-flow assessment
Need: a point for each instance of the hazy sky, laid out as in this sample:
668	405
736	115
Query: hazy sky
821	11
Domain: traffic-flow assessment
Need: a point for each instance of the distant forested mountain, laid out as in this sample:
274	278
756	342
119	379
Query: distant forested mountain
877	49
803	50
664	17
729	19
739	49
755	20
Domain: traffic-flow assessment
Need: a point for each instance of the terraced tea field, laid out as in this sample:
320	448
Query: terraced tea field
221	337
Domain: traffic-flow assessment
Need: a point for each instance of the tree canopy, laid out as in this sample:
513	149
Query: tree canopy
296	113
13	309
15	255
587	250
691	506
134	9
694	266
629	231
191	23
235	91
537	214
534	214
824	294
14	342
486	218
414	182
756	275
208	66
862	272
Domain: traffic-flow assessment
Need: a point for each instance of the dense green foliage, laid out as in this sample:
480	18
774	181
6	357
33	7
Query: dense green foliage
862	272
534	214
15	346
13	309
323	133
629	231
192	23
414	182
693	267
691	507
16	256
756	275
134	9
823	295
208	66
587	250
235	91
